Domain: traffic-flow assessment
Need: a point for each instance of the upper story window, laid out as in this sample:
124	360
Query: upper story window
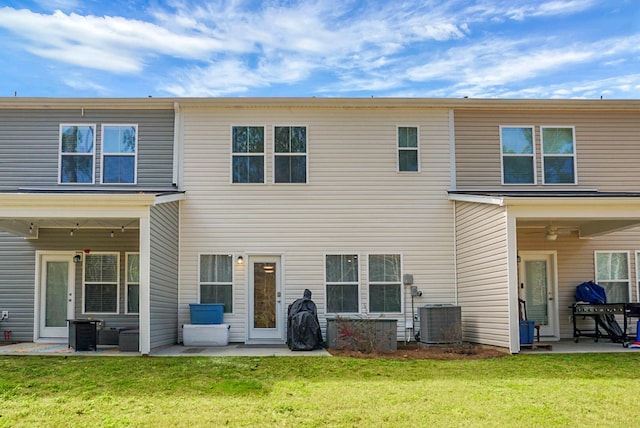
119	153
558	155
290	154
408	150
247	146
77	153
341	274
216	280
385	287
518	155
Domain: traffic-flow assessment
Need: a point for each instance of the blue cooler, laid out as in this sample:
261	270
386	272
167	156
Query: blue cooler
206	313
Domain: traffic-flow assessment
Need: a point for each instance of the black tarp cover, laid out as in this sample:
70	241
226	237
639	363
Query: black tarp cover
303	327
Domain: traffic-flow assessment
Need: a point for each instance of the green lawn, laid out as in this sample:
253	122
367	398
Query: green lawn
524	390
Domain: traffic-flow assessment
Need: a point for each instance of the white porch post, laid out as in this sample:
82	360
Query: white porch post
512	266
145	286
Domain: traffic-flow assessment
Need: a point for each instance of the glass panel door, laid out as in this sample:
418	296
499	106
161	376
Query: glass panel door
56	294
265	309
538	291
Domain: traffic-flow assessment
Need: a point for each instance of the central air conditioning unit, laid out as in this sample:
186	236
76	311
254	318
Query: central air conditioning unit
440	324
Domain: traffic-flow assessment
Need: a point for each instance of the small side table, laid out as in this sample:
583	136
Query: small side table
83	334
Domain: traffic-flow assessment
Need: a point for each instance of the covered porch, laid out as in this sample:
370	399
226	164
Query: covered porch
78	254
544	244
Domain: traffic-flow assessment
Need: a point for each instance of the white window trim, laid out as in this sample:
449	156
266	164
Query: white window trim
574	155
274	154
369	282
60	155
533	155
595	269
358	283
127	283
134	155
398	148
232	154
117	284
233	275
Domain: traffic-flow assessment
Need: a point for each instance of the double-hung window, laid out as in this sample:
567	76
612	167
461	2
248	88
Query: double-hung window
119	153
77	153
385	287
341	273
133	283
612	273
558	155
408	150
518	155
101	283
290	154
216	280
247	146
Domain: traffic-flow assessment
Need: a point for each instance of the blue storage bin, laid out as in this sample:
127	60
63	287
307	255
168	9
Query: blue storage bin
206	313
526	332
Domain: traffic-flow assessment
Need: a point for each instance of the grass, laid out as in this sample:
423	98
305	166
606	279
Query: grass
523	390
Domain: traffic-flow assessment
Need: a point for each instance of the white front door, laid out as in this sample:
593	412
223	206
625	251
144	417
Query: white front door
266	316
56	294
538	288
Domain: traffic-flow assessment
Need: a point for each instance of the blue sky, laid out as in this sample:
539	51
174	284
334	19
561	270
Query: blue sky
330	48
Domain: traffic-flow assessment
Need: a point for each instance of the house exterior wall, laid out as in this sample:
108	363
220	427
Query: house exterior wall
482	272
17	267
606	144
355	202
164	274
30	144
576	264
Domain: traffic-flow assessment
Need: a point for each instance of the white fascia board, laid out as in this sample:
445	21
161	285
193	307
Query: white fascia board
480	199
163	199
74	205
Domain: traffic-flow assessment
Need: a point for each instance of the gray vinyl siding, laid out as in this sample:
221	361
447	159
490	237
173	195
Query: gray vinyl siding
607	146
482	269
576	265
17	268
355	203
164	274
30	139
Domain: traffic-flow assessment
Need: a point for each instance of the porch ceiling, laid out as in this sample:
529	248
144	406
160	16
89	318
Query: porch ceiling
586	227
28	227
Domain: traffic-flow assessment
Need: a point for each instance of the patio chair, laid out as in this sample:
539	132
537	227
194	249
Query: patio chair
523	317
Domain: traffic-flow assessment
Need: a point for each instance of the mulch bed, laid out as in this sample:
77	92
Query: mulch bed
414	351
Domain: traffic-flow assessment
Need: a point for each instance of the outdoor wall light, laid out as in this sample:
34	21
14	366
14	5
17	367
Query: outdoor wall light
240	260
77	258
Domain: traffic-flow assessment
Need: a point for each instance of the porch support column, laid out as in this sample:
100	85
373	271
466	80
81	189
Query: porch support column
513	286
145	285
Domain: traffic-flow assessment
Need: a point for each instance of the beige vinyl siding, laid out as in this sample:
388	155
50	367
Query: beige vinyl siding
481	247
576	265
607	145
354	203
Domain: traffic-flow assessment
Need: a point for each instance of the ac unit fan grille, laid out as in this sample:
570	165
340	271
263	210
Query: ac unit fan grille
440	324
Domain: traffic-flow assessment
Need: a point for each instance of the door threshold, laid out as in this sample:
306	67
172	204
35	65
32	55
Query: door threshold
264	342
55	340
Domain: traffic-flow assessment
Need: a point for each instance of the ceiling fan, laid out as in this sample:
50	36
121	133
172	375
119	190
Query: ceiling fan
551	232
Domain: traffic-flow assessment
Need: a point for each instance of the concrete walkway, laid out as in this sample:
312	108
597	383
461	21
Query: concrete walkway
231	350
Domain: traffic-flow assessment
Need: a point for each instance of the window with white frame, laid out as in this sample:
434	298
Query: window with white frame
101	283
558	155
341	273
132	283
290	154
216	280
77	153
612	273
119	154
247	146
408	150
385	287
518	155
